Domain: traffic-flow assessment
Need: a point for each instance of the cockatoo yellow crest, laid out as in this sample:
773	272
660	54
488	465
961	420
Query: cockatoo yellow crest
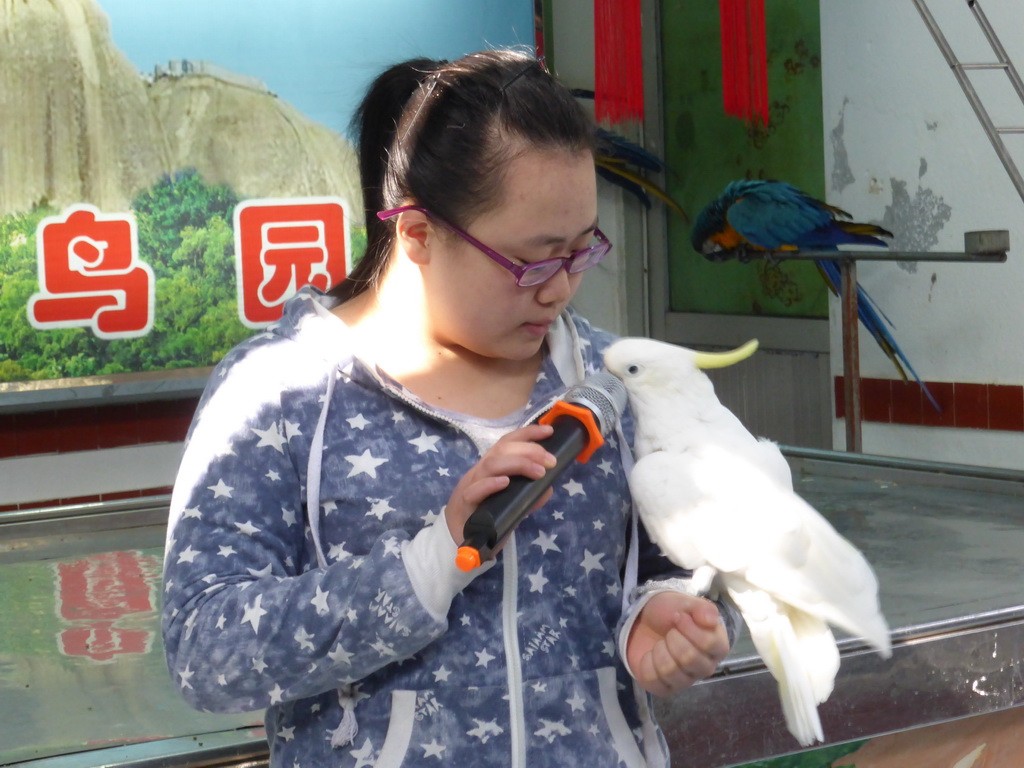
720	501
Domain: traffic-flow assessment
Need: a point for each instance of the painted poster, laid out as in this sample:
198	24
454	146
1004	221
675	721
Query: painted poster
171	171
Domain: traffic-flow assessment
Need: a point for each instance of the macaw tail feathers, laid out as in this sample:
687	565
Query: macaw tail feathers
864	234
875	321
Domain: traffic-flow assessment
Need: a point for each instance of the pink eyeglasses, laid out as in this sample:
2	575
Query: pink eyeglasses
531	274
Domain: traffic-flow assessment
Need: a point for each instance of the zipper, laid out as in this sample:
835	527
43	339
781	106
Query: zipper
510	587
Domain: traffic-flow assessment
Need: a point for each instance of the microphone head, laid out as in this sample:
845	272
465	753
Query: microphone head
604	395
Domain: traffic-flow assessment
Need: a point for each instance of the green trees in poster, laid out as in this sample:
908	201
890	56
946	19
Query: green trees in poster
184	233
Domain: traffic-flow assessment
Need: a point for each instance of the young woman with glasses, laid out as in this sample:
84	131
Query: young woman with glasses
334	460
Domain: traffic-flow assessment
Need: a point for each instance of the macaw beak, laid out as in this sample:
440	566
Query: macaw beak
724	359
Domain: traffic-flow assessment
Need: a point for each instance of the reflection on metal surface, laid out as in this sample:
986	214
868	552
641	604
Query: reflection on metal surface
100	597
81	660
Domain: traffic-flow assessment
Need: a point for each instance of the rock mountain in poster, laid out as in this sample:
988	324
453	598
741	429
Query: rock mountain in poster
78	123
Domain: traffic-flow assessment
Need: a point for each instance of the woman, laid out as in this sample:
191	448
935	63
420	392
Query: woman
310	565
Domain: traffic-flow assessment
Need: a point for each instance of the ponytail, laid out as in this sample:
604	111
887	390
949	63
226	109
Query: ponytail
374	125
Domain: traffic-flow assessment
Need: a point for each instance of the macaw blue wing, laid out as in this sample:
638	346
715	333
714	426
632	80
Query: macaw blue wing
774	215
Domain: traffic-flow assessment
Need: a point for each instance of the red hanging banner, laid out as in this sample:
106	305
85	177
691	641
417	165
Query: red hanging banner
744	60
618	62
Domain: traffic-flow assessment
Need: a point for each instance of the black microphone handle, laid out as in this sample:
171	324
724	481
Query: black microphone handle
500	512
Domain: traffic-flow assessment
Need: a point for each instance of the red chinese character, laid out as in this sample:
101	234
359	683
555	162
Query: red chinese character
282	245
90	275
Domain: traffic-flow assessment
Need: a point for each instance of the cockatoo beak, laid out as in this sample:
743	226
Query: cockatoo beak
724	359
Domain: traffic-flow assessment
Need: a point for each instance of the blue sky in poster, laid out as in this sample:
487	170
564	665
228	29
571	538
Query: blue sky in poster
318	55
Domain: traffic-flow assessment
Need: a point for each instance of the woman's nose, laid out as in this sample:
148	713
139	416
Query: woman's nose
558	288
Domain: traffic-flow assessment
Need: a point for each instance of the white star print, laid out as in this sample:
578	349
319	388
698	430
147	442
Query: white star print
220	489
291	430
441	674
186	676
276	694
599	525
187	555
537	580
550	730
220	622
397	416
340	656
328	507
192	512
226	550
253	613
546	542
608	647
391	547
273	476
247	528
262	572
575	488
364	464
430	517
483	658
383	648
288	515
591	561
570	591
433	749
320	601
337	552
540	687
302	637
443	472
286	734
606	467
576	702
426	442
379	508
464	620
222	680
271	437
259	664
358	422
365	757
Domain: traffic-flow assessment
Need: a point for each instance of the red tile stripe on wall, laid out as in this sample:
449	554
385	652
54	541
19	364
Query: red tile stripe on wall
966	406
70	430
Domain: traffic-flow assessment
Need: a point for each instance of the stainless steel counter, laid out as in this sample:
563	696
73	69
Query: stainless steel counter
947	543
82	671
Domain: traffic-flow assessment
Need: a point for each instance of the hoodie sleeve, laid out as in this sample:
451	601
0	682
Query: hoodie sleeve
245	624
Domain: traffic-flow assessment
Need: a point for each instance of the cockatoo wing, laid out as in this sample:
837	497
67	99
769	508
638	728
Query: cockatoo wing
710	506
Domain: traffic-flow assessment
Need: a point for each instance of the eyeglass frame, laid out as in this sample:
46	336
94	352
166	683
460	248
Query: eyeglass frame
518	272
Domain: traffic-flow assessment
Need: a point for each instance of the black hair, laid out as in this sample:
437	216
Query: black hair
441	134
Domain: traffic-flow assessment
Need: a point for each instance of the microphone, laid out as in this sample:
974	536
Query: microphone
586	413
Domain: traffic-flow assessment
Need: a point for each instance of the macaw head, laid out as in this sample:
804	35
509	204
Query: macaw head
712	231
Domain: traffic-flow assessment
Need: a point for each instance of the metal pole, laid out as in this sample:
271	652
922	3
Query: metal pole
851	356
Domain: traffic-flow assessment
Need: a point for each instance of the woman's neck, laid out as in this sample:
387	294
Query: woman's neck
393	331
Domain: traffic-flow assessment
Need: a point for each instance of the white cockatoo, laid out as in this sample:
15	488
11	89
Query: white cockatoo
720	501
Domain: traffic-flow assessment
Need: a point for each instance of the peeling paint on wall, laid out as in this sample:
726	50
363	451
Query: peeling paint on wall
842	176
915	222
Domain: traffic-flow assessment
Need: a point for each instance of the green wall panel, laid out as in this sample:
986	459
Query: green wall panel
705	149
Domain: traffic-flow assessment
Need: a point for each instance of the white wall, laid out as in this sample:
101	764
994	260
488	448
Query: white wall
905	149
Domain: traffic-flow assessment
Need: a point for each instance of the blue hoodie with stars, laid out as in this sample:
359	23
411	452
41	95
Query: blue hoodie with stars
309	571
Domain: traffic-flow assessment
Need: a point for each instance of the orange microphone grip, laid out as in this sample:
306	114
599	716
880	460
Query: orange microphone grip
584	416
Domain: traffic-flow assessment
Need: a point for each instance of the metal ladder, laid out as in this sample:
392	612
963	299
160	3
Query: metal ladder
960	70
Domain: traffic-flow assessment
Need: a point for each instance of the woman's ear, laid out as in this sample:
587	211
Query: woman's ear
415	236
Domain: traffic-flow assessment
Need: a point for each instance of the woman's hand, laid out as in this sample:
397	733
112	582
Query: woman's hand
517	453
674	642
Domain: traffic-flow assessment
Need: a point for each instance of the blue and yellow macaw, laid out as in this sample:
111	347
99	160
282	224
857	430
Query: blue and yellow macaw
776	216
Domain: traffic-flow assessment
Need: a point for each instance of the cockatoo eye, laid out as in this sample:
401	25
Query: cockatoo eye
633	369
